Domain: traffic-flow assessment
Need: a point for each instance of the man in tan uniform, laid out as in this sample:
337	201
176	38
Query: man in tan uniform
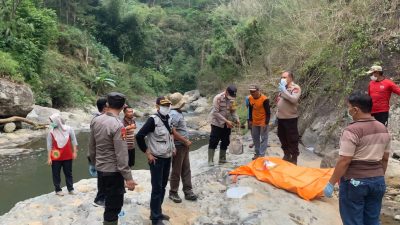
109	153
287	114
220	125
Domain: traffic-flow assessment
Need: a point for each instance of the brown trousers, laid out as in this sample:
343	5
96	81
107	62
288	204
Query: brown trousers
181	168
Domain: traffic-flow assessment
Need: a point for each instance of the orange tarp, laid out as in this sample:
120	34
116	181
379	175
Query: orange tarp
308	183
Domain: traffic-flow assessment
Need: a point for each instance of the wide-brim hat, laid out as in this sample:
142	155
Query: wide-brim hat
177	100
375	69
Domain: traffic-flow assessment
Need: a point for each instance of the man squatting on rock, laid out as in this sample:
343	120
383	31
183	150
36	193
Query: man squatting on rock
109	152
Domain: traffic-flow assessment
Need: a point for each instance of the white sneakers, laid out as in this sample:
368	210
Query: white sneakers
60	193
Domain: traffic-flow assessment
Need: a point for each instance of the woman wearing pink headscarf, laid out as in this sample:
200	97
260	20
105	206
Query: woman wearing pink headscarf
62	149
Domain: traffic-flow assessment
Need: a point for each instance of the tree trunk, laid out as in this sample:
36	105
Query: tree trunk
21	119
87	56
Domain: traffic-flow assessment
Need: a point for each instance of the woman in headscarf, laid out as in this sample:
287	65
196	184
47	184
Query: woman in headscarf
62	149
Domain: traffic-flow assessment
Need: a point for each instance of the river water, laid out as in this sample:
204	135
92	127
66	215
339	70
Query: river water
27	175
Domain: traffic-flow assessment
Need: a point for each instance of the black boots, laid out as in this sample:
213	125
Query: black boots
290	158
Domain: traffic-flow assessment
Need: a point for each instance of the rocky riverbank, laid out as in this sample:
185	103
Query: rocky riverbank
266	205
10	143
79	119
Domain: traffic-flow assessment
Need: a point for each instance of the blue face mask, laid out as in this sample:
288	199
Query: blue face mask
53	125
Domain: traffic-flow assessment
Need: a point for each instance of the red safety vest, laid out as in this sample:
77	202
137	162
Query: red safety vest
61	154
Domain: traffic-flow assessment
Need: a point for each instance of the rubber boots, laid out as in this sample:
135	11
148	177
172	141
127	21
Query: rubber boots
211	157
222	156
110	223
286	157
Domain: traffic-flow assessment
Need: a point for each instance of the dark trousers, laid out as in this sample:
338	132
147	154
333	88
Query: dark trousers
66	165
131	156
289	136
219	134
114	186
360	203
101	195
382	117
159	178
181	168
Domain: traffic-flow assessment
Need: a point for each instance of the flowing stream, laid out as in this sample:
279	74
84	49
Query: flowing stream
27	175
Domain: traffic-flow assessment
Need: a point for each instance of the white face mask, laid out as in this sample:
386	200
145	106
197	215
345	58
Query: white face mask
283	81
164	110
349	114
230	97
373	78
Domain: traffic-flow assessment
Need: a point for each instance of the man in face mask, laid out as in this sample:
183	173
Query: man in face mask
220	125
159	150
363	159
380	89
287	114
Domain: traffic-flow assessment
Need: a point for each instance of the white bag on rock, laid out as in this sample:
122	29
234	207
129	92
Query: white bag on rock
236	144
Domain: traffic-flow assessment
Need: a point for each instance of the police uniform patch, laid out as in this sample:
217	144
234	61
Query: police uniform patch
123	133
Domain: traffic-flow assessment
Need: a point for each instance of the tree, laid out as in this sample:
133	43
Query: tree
102	81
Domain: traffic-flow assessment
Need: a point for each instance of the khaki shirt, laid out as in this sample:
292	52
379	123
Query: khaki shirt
108	149
288	102
222	110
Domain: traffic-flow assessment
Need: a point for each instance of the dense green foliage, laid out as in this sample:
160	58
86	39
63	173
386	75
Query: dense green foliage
70	51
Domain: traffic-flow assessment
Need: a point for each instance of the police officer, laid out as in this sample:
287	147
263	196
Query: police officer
109	152
220	124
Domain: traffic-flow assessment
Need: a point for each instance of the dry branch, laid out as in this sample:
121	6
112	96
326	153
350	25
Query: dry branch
21	119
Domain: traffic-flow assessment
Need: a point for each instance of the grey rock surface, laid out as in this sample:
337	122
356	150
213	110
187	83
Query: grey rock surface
15	99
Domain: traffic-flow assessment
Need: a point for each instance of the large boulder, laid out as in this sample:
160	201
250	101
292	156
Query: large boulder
9	127
201	102
41	114
330	159
191	96
15	99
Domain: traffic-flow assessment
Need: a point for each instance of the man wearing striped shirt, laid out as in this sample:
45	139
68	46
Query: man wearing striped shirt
363	159
130	126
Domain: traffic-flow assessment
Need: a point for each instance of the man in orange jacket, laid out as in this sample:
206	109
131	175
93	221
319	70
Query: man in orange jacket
259	116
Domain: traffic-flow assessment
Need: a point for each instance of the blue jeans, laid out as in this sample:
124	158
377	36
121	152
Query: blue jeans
257	133
360	203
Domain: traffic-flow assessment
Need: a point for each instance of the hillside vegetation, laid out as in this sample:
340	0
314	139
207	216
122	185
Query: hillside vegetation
71	51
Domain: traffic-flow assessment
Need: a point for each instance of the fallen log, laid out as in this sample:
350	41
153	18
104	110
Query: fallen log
22	119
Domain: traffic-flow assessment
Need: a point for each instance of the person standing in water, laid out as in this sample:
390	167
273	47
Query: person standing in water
62	149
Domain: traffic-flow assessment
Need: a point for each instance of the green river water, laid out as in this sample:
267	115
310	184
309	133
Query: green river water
26	176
